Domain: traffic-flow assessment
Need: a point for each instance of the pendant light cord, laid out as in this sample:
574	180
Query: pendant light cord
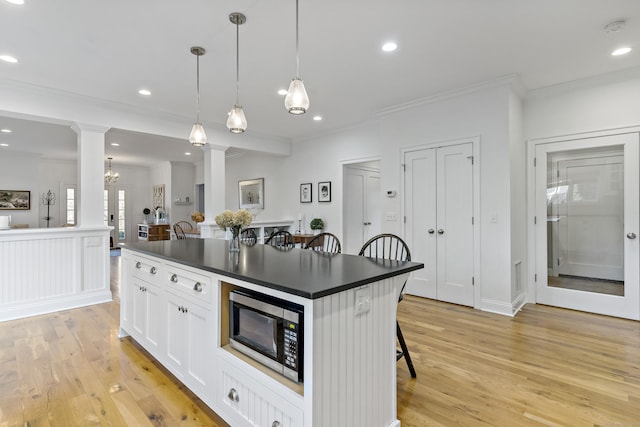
297	43
198	87
237	62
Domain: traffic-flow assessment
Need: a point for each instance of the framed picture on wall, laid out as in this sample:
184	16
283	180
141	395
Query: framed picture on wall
324	191
306	193
15	200
251	193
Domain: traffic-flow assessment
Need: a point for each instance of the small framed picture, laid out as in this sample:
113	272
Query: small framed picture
306	193
324	191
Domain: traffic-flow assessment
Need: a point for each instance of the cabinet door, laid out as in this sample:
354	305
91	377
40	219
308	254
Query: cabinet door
146	314
190	343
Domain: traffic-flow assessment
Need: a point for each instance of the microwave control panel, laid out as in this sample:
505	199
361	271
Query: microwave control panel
291	345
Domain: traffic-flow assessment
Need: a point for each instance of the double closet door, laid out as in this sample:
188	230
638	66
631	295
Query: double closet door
439	222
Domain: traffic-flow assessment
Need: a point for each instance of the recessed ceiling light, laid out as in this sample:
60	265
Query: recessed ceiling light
5	130
187	154
317	118
621	51
282	92
144	92
389	47
7	58
115	144
16	1
4	144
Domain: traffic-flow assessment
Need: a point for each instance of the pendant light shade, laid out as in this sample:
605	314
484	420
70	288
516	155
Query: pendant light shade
198	137
237	122
297	100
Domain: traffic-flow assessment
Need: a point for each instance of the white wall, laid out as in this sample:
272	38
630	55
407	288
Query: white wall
54	175
182	186
19	171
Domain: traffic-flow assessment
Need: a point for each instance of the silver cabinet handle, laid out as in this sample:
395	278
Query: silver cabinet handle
138	264
152	270
233	395
275	424
440	231
197	287
431	231
631	236
174	278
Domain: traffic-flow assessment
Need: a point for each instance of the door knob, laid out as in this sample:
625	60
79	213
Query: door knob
431	231
631	236
440	231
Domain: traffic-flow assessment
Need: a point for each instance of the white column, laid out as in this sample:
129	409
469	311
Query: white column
214	186
90	174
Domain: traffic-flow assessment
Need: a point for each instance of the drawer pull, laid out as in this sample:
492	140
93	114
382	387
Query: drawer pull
197	287
138	264
275	424
152	270
174	278
233	395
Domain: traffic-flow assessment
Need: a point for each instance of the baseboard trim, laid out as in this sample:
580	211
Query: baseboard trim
35	308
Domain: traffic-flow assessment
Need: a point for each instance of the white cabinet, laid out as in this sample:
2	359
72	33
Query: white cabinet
146	309
190	334
248	402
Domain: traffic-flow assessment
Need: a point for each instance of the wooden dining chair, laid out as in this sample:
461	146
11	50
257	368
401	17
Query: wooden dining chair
392	247
281	239
325	242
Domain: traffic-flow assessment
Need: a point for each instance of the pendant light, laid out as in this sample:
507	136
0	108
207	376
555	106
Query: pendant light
198	138
237	122
111	177
297	101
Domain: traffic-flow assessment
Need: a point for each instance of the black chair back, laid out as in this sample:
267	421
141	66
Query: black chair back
281	239
178	231
325	242
386	246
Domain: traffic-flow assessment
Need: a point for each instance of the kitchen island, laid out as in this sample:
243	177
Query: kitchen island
175	303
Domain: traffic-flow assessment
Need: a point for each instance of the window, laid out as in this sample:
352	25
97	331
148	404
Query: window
71	205
121	217
106	207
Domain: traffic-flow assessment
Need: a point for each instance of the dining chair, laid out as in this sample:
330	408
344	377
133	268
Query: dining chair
325	242
391	247
248	237
178	231
282	239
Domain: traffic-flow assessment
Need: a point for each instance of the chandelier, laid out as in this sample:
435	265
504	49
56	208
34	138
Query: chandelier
111	177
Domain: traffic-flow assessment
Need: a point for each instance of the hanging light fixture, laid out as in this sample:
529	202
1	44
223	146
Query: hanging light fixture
237	122
198	138
297	101
110	177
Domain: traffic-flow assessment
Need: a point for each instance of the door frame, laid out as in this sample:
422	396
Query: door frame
531	194
475	144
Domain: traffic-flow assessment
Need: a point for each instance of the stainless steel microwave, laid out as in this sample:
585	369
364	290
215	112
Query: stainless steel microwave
269	330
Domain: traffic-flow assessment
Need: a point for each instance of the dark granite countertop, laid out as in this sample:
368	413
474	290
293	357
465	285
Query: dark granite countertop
302	272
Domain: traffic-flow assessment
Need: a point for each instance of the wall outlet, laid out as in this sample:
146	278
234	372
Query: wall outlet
362	300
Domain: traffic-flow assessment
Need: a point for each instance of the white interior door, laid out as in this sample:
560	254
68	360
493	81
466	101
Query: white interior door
439	225
116	212
587	222
362	212
455	224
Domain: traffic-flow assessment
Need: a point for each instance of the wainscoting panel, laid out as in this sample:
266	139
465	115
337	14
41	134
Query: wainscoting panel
41	270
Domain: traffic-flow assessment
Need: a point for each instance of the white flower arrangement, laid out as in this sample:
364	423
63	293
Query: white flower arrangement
234	220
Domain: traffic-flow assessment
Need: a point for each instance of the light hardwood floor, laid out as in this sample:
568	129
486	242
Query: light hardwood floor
546	367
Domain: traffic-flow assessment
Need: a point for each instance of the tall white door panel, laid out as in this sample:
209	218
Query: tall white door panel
362	216
455	224
439	222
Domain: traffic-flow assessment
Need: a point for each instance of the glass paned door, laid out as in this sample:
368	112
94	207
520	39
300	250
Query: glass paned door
115	212
587	225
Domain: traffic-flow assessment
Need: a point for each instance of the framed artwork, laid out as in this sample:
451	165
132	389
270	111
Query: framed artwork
306	193
158	196
324	191
251	194
15	200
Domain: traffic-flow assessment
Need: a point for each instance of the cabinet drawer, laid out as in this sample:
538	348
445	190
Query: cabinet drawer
193	286
144	268
255	403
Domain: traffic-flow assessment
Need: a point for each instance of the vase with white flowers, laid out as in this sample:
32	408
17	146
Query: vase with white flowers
235	222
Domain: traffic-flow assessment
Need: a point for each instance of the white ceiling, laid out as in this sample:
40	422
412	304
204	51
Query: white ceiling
110	49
